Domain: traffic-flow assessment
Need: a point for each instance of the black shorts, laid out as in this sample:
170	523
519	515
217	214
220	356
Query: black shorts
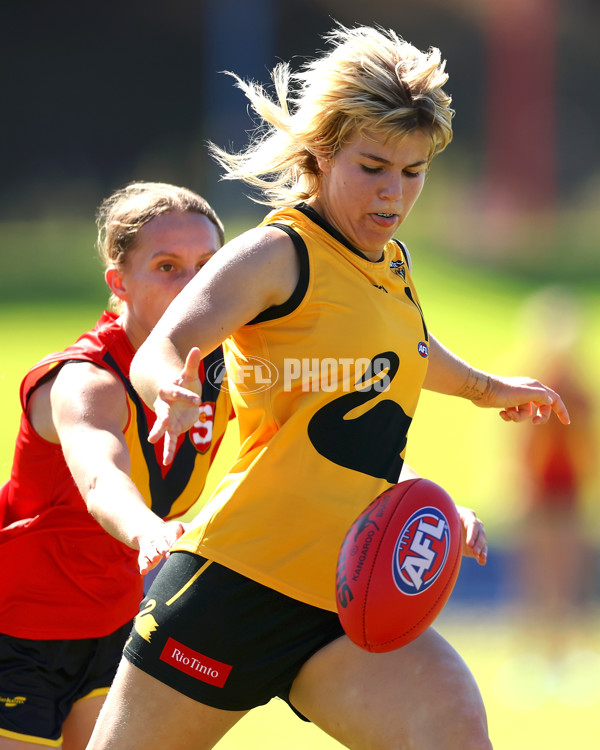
223	639
41	680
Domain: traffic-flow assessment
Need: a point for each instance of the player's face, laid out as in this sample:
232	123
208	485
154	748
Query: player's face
370	185
168	252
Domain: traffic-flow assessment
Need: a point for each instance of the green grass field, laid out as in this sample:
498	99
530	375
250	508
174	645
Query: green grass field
531	703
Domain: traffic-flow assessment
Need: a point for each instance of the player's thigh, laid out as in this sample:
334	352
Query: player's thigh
79	724
422	695
142	712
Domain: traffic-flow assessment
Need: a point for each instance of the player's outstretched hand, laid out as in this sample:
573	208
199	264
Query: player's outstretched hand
523	399
156	545
177	406
474	536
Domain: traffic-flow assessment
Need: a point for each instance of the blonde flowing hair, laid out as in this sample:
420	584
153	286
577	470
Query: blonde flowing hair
371	79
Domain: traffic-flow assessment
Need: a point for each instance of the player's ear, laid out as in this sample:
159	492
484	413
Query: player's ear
324	161
323	156
116	283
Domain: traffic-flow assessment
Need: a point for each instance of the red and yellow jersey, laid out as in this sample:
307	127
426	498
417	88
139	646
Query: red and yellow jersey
325	388
64	576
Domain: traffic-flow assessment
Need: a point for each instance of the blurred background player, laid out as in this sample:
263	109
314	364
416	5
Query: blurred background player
557	468
69	589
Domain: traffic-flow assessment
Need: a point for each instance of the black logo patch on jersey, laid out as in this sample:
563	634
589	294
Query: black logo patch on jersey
379	286
398	267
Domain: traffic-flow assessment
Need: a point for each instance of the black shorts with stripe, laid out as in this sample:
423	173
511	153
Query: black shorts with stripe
223	639
40	681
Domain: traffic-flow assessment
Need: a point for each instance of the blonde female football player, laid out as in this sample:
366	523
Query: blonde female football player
69	590
327	350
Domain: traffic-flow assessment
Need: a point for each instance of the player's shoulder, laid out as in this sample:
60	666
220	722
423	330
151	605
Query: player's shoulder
263	260
87	380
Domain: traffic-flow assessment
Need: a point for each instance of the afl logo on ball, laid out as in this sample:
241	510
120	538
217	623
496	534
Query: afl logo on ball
423	349
421	551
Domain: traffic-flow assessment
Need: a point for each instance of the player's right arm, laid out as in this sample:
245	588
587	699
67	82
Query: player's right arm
255	271
85	410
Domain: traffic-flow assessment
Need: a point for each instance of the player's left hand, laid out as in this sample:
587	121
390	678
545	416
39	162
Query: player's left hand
474	536
177	406
523	399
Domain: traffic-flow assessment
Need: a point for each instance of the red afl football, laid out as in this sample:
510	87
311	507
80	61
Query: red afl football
398	565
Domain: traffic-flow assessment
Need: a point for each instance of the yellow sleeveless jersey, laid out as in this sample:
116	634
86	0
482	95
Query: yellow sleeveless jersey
325	388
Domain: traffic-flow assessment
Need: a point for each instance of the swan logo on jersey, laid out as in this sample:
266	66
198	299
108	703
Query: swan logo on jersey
421	551
423	349
202	432
397	266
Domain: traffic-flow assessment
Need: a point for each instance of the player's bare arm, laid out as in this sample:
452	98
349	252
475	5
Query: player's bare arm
519	398
89	413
